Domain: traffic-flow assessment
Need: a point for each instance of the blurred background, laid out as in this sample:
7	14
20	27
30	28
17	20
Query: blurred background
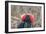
18	10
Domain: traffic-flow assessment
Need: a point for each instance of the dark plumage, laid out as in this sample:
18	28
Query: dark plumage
26	23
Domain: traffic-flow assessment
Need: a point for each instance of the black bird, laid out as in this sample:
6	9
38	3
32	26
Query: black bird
26	23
